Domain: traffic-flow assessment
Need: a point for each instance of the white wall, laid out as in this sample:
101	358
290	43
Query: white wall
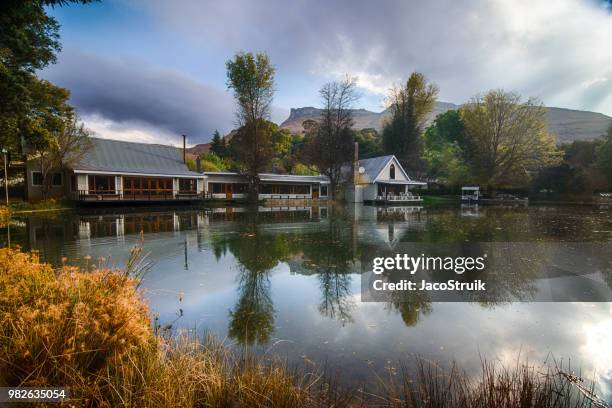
369	192
384	174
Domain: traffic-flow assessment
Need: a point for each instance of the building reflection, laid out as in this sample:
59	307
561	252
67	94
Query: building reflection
333	244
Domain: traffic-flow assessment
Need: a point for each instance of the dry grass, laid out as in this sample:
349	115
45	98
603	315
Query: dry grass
5	216
91	332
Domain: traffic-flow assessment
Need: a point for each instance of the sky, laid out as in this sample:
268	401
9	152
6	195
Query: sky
151	70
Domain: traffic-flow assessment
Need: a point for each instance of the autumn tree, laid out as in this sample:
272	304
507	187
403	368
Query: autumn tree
330	141
61	149
409	106
506	138
251	77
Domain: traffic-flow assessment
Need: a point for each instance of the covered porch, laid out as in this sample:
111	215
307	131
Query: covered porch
398	191
111	187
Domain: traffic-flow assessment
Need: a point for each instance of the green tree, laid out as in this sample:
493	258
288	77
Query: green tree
251	77
444	144
370	143
506	138
604	156
212	162
29	41
218	145
409	106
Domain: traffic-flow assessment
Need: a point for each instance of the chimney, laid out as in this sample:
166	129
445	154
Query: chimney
356	164
184	149
198	165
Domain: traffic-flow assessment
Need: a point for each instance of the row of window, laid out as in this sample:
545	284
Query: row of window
133	185
242	188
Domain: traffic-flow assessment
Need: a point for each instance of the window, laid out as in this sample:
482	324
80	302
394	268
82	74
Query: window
323	190
301	189
37	178
57	179
241	188
187	185
217	188
267	189
392	172
101	184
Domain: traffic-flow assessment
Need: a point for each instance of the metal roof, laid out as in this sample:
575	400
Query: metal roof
118	157
272	177
374	166
402	182
292	178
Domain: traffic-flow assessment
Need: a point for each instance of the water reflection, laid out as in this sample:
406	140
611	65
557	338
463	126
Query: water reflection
295	273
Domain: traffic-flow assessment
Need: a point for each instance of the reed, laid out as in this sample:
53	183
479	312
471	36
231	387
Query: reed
91	331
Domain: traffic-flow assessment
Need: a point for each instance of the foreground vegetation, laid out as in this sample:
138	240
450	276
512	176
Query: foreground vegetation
90	330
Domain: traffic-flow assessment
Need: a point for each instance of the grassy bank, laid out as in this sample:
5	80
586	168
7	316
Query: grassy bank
44	205
439	200
91	331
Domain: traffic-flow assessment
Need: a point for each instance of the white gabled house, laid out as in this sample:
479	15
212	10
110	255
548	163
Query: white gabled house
381	179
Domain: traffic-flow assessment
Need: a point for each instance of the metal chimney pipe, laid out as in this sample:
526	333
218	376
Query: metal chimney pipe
184	148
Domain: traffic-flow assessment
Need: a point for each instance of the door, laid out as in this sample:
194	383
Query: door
228	191
315	192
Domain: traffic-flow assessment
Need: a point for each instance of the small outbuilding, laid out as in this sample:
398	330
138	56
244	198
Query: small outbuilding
382	179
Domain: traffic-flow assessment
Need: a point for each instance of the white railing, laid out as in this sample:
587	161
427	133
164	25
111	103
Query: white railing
401	197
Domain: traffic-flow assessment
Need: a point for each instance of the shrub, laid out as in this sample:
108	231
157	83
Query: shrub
65	327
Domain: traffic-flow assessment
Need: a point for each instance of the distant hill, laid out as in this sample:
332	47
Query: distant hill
203	148
567	124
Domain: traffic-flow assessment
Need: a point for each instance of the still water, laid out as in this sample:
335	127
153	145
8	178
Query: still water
287	281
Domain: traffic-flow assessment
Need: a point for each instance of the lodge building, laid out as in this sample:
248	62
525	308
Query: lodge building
114	170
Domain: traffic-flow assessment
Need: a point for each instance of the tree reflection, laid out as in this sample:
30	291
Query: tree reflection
412	307
335	296
252	319
257	252
329	255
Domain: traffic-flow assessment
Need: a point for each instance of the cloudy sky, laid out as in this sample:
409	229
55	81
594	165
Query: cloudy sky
150	70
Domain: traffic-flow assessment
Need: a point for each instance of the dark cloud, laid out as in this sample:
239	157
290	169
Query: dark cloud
132	94
551	51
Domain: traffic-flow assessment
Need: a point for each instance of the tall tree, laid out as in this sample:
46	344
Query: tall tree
506	138
218	145
29	41
409	106
330	142
251	77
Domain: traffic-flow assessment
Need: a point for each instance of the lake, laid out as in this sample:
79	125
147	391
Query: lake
287	281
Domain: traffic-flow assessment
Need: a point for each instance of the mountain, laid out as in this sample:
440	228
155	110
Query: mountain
567	124
203	148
